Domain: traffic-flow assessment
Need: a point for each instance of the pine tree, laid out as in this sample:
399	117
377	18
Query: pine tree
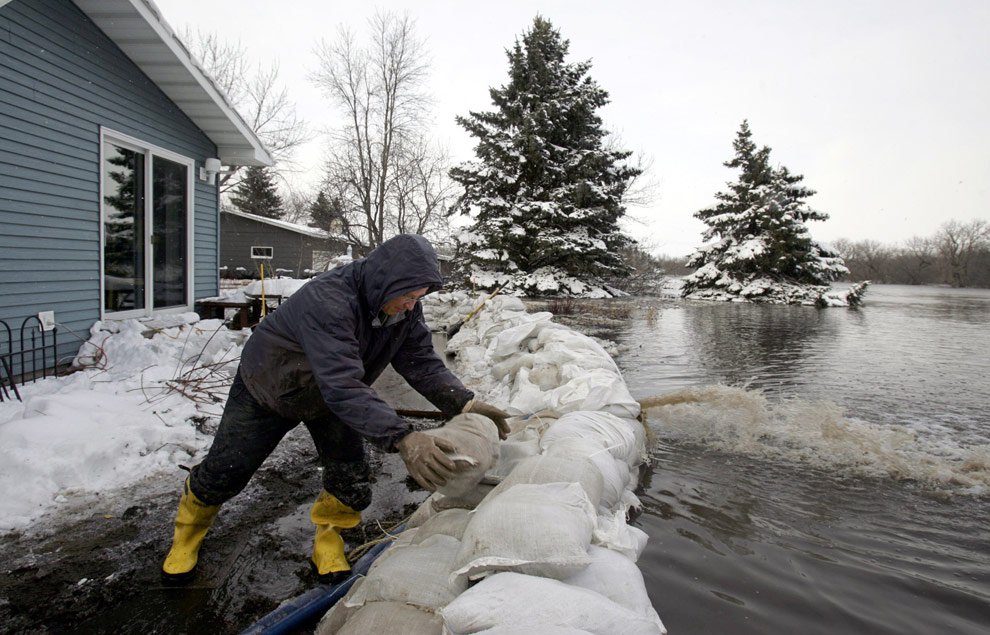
327	213
756	236
256	194
545	193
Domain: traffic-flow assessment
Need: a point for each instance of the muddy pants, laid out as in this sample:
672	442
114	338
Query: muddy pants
249	432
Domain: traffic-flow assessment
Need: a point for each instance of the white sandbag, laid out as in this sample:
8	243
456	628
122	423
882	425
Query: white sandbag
511	365
392	617
542	530
625	439
580	389
437	503
525	630
552	469
613	532
570	347
335	618
423	513
512	600
546	376
513	450
511	341
476	439
619	579
616	476
574	341
406	537
414	574
467	500
449	522
507	303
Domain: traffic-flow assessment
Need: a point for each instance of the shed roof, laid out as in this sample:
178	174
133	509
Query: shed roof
293	227
138	28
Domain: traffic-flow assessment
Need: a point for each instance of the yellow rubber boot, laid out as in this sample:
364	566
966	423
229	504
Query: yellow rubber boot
192	521
330	516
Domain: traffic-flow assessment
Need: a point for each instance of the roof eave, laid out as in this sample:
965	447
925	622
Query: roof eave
138	28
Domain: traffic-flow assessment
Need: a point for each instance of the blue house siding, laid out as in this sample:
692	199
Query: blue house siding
62	80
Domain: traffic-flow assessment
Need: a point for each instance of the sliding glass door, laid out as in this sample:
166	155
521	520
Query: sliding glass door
146	221
168	242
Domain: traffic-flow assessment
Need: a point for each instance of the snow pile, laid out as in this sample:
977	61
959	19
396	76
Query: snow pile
131	412
712	284
268	287
551	536
542	282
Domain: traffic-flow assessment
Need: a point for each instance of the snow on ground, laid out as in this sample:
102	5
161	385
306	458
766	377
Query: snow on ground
145	400
119	420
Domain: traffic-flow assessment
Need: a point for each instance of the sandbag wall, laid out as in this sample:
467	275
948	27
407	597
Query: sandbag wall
541	543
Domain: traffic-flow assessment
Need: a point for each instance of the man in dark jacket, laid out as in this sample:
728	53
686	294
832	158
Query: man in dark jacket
314	360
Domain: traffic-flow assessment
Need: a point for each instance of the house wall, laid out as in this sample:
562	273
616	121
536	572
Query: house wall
61	79
291	250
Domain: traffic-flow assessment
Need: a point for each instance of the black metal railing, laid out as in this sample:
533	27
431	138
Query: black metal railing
31	356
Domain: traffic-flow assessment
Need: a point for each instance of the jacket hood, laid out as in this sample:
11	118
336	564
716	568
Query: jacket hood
399	265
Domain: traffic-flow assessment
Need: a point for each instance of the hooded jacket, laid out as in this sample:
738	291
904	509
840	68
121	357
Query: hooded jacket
319	353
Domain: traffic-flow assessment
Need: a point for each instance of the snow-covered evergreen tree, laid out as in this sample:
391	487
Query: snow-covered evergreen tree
544	195
257	194
757	245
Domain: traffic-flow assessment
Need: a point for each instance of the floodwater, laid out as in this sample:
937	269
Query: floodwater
817	471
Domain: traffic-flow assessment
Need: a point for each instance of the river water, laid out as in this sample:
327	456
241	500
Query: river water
816	471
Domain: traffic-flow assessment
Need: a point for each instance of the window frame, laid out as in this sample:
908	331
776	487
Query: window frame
150	151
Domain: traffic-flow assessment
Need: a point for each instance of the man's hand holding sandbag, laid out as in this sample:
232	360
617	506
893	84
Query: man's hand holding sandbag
493	413
425	459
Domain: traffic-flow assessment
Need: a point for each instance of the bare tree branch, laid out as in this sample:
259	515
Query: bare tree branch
256	93
379	162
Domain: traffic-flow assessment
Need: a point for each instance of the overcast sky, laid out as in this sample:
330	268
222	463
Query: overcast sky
881	104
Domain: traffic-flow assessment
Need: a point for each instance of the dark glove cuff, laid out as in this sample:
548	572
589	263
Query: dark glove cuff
387	444
455	404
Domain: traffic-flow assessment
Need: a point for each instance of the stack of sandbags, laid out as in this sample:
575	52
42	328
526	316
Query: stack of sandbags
516	603
402	593
548	549
538	365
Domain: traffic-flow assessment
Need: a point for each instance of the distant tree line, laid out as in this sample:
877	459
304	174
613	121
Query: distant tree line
957	255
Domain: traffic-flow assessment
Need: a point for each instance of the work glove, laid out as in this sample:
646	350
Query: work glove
493	413
425	459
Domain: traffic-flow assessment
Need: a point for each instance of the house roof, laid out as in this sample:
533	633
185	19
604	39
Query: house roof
138	28
293	227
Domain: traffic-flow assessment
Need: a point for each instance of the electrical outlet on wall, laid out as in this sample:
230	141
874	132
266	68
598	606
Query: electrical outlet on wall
47	319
